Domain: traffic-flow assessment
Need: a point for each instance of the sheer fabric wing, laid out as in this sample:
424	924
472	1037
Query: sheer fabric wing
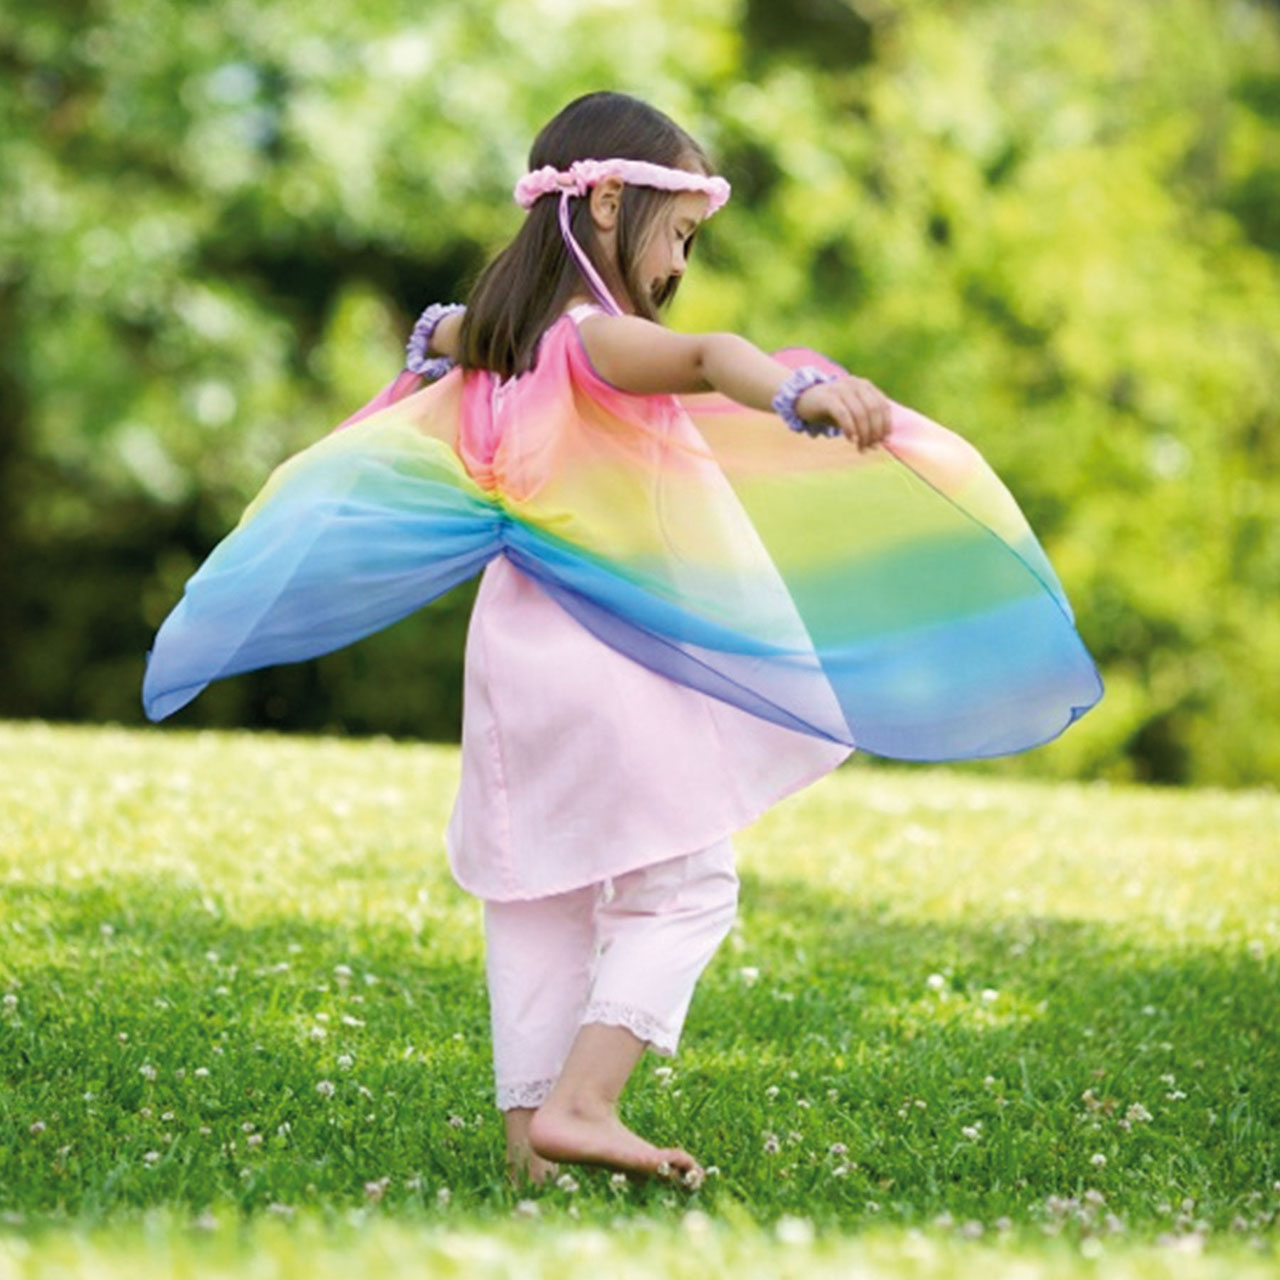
895	601
347	537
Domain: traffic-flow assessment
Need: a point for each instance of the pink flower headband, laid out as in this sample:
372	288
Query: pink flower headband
582	175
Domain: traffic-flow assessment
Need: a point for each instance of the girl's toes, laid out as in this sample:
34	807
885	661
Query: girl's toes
675	1163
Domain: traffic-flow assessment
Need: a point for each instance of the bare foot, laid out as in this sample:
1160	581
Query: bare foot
527	1168
524	1165
579	1137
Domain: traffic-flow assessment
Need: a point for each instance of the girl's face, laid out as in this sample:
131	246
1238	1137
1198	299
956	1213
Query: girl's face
667	248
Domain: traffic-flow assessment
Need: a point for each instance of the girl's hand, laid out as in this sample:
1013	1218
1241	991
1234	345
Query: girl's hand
858	407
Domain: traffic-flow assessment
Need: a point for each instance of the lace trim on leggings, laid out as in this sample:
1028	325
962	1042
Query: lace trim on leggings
528	1093
642	1025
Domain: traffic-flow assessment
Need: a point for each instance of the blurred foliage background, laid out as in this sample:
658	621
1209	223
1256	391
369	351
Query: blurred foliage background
1055	228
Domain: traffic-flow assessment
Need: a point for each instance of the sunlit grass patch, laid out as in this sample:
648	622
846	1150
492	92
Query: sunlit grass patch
957	1013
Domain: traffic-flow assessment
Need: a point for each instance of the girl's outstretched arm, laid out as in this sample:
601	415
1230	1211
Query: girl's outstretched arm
640	356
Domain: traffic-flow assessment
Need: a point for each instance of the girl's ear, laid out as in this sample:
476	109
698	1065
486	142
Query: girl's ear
606	200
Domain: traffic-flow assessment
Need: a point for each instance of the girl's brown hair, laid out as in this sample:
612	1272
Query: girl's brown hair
527	285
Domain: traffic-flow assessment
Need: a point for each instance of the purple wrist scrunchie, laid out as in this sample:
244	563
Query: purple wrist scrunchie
798	382
416	358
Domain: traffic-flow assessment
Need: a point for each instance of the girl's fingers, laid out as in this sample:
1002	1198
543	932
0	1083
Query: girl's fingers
860	411
873	412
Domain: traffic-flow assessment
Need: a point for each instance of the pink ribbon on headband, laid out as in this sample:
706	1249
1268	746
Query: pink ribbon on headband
581	175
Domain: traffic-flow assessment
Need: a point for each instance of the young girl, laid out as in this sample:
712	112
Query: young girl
686	610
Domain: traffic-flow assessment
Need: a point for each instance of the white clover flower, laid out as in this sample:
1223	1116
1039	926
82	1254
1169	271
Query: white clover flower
376	1189
771	1092
694	1178
771	1144
345	1062
971	1229
349	1021
317	1034
972	1131
145	1112
566	1182
444	1195
1175	1095
527	1209
147	1071
342	971
749	975
10	1001
38	1127
122	1036
838	1149
663	1074
205	1131
1098	1160
106	930
797	1232
166	1115
935	982
254	1140
456	1122
280	1210
695	1222
1137	1114
990	995
325	1088
321	1016
200	1073
151	1158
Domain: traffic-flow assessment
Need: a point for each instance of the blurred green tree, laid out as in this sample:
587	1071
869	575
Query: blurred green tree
1054	230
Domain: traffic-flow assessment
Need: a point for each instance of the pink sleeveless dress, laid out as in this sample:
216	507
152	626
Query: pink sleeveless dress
579	764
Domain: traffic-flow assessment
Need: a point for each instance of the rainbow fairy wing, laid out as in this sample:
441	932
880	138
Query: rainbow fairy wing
345	538
894	600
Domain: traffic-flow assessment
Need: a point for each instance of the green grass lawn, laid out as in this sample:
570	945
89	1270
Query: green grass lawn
965	1027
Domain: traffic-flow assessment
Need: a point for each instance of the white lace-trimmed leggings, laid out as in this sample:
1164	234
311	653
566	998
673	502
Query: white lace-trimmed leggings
625	953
